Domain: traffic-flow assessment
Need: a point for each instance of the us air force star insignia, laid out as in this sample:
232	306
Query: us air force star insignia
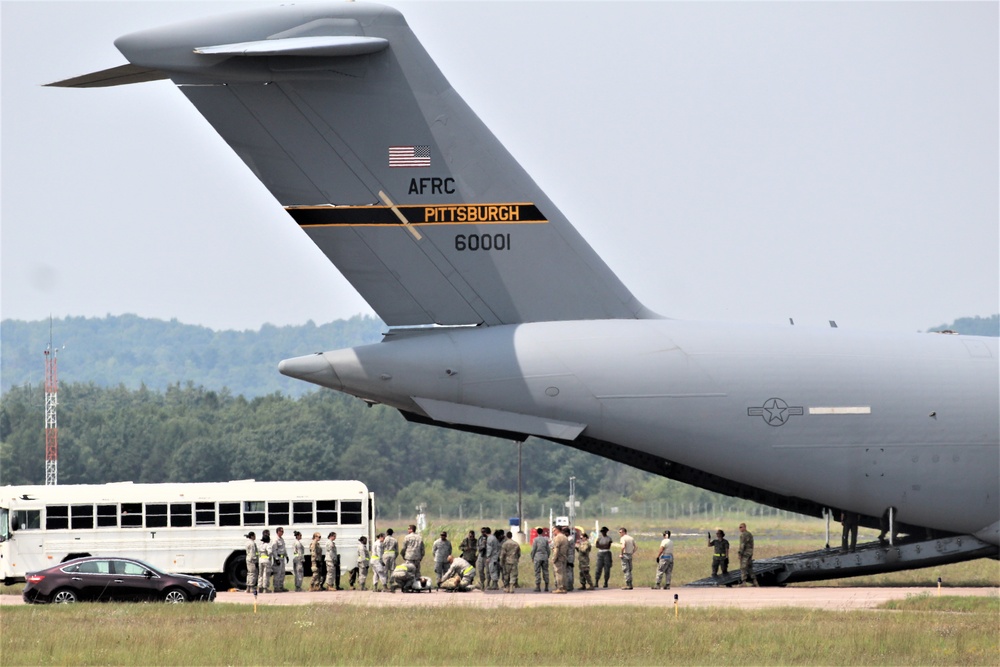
775	411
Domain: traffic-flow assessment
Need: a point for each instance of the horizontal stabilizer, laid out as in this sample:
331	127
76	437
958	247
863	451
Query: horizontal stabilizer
116	76
470	415
322	45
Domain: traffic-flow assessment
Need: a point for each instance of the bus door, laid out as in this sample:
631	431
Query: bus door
22	546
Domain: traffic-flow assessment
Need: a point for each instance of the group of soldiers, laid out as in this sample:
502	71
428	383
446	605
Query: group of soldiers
568	552
266	561
720	557
494	555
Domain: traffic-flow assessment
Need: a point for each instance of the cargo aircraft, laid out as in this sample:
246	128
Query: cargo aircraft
504	321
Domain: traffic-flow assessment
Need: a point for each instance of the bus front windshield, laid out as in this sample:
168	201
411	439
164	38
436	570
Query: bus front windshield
4	524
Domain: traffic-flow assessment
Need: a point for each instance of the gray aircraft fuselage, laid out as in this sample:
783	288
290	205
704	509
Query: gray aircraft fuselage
855	421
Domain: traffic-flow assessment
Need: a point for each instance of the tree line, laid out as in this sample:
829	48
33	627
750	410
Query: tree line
136	352
188	433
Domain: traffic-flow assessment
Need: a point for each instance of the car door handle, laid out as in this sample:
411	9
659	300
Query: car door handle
76	578
119	581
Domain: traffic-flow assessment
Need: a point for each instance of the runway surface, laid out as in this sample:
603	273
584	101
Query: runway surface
832	598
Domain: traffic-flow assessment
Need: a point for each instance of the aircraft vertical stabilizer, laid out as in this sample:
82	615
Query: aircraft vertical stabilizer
341	113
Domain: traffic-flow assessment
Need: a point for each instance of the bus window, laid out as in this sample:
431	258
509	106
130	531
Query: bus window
107	516
326	511
156	515
83	517
56	517
27	520
350	512
277	514
131	515
4	525
302	512
229	514
253	513
204	514
180	514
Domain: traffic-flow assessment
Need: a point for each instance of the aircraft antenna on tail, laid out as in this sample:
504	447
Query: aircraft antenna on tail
51	403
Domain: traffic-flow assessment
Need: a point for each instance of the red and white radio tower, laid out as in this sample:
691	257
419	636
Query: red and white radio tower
51	428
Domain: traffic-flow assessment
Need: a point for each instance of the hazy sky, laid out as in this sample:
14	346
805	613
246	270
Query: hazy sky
729	161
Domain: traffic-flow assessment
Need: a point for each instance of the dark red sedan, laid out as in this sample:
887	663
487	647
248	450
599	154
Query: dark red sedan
105	579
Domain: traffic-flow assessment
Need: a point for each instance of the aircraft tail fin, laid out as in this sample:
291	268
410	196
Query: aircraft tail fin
345	118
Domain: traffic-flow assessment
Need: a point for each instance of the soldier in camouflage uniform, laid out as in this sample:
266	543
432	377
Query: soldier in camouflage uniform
364	557
481	558
403	577
628	548
264	562
251	562
460	576
413	548
379	579
603	546
316	559
541	550
389	548
440	551
332	563
493	561
745	554
468	548
298	560
279	558
510	556
570	558
720	557
560	549
665	562
583	562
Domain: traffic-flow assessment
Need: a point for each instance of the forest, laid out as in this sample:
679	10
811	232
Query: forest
193	434
133	351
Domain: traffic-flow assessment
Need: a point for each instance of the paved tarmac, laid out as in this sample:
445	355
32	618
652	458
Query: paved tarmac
833	598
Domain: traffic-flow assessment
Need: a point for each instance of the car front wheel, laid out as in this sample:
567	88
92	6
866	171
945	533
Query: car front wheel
175	595
65	596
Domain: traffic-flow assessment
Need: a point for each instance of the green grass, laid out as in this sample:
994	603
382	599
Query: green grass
223	634
946	603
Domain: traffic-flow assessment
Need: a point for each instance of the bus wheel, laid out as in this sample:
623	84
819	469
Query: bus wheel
235	575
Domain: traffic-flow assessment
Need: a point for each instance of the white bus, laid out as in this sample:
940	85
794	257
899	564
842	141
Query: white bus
190	528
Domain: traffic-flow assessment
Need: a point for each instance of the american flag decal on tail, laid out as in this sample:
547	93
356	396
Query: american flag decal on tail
409	156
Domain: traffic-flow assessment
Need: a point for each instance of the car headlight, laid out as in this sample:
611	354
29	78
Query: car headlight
199	584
